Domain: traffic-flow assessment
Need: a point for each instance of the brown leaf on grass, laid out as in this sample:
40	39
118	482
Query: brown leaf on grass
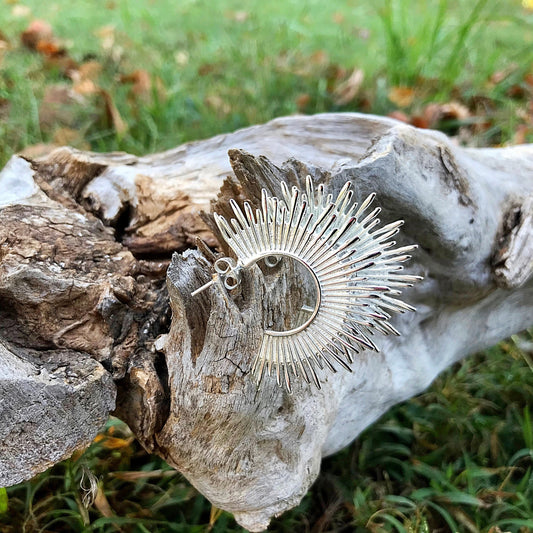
37	31
346	91
420	121
50	48
302	101
5	108
500	75
399	115
39	37
334	75
135	475
320	58
90	70
521	133
4	46
206	68
85	87
432	114
517	92
102	504
106	34
113	115
401	96
116	443
85	78
338	17
452	111
141	84
528	78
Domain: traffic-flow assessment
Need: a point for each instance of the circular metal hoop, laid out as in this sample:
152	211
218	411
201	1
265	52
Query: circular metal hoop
352	264
314	277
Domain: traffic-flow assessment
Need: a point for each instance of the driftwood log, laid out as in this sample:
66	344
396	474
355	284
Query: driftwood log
91	322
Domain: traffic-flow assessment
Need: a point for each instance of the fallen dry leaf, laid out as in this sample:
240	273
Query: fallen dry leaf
432	114
420	121
399	115
338	18
302	101
142	84
334	75
4	46
346	91
38	36
85	78
517	92
106	34
102	504
206	68
137	474
85	87
5	108
90	70
501	75
112	113
320	58
401	96
116	443
37	30
521	133
528	78
453	111
50	48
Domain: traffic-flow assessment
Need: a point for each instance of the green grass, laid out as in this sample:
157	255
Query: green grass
218	68
456	458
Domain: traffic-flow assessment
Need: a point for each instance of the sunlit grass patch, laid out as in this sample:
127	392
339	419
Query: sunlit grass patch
242	65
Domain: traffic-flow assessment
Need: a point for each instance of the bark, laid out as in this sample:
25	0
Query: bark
85	241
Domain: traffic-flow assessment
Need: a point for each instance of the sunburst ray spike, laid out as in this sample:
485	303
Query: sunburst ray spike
355	269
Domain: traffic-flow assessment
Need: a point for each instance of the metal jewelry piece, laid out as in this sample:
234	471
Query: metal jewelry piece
355	270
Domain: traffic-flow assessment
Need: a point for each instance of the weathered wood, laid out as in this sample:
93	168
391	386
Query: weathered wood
84	244
52	404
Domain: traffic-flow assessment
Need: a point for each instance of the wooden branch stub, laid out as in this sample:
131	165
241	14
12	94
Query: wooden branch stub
513	260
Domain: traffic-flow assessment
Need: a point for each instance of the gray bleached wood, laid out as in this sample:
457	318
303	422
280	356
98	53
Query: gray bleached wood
256	453
51	405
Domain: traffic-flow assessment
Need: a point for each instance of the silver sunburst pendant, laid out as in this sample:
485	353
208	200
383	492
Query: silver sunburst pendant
354	266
